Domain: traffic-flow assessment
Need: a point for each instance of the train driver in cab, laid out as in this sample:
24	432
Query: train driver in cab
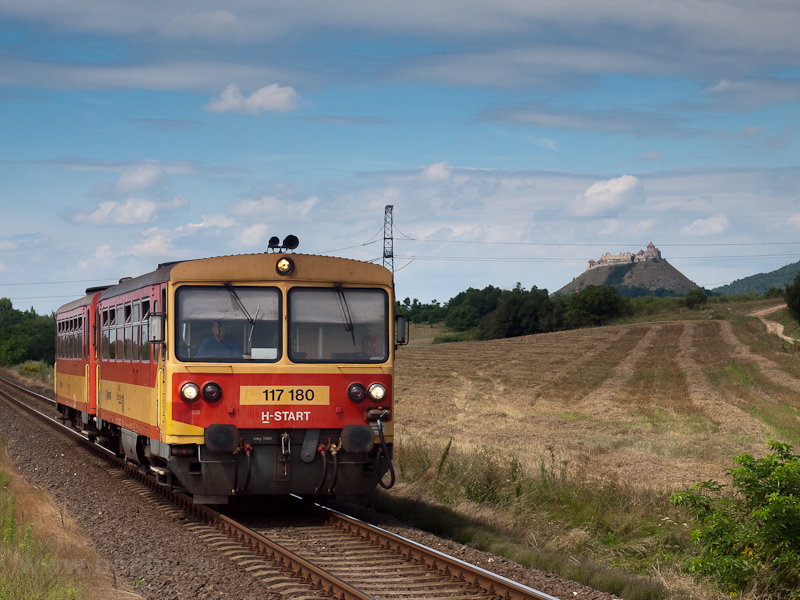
217	345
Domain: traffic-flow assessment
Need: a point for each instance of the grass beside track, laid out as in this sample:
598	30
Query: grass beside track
607	535
29	567
38	374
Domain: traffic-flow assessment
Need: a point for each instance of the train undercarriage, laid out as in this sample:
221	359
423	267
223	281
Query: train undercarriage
254	462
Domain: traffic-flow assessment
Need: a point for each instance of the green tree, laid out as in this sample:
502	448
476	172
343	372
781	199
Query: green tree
792	297
418	312
462	318
695	297
8	316
468	309
25	335
595	305
749	538
522	313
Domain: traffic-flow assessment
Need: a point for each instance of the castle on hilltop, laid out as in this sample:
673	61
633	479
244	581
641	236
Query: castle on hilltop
652	254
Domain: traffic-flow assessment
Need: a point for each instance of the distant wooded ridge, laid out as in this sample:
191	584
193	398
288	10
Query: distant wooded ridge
761	282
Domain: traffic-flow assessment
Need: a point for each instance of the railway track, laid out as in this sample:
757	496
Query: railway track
305	550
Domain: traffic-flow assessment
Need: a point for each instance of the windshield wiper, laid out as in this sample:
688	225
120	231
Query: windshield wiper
239	302
348	320
243	308
253	327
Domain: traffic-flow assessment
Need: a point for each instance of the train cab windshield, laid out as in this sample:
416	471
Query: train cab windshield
341	325
228	324
239	323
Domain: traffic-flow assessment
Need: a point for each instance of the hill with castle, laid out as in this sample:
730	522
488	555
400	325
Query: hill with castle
634	274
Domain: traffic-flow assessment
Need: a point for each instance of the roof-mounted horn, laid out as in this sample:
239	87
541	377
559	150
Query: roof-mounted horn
290	242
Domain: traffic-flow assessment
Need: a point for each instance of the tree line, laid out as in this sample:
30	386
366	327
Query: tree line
493	313
490	313
24	335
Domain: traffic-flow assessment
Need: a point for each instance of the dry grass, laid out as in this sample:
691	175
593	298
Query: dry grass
60	536
423	334
653	407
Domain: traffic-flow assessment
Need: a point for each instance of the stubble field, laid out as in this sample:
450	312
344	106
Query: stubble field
659	405
533	430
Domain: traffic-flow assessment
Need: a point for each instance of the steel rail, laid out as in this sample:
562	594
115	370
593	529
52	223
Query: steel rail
308	572
24	390
490	584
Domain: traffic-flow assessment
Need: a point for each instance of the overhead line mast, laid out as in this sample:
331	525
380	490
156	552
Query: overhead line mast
388	238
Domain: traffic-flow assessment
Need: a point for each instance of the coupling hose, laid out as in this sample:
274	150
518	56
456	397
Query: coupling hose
385	451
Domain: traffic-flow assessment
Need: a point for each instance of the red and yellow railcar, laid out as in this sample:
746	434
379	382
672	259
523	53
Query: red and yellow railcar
76	363
263	374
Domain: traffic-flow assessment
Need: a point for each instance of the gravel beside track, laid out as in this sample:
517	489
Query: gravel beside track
150	552
146	551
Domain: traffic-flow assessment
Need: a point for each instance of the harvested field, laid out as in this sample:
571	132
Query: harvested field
659	405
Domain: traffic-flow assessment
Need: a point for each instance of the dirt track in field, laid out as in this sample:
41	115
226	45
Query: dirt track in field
772	326
656	405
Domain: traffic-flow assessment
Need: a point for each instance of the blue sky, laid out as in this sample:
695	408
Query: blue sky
515	140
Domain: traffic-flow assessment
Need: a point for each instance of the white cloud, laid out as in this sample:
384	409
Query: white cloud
272	208
83	165
706	227
159	243
104	256
610	194
748	132
268	98
211	23
728	86
254	235
728	37
436	173
139	177
128	212
609	226
794	221
208	221
643	226
652	156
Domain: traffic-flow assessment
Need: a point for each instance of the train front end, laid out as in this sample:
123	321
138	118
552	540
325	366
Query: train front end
277	377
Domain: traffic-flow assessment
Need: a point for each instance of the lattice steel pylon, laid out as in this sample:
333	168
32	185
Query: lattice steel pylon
388	238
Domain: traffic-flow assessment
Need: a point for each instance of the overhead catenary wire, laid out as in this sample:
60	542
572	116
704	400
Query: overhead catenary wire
603	244
660	212
583	260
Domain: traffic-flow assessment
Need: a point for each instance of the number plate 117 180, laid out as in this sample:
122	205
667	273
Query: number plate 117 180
254	395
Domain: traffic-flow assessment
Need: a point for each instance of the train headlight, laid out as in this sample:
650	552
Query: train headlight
190	392
285	266
356	392
377	392
212	392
